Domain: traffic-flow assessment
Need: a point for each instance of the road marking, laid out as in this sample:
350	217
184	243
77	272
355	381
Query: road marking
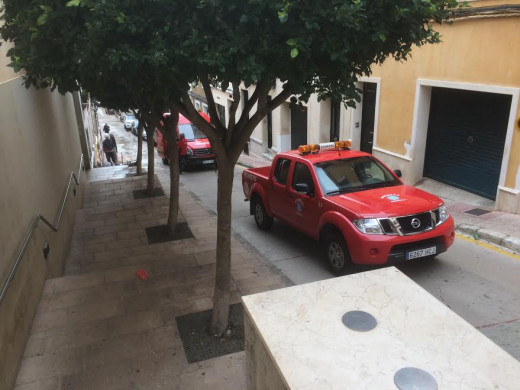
488	245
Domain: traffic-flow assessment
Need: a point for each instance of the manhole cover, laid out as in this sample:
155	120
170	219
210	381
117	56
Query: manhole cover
358	320
411	378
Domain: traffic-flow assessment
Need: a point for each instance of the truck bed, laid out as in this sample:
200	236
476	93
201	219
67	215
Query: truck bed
262	172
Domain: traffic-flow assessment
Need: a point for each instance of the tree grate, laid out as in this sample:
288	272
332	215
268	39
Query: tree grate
134	174
199	345
141	194
478	212
162	233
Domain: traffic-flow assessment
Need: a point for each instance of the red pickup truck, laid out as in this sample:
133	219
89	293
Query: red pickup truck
352	203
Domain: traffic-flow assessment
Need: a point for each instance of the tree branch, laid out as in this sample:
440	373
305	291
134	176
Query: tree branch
234	106
248	106
212	133
242	133
211	105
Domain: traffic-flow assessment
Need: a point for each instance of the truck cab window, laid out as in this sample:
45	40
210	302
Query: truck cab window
302	175
282	170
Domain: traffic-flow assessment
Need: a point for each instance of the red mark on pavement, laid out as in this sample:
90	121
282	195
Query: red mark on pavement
142	274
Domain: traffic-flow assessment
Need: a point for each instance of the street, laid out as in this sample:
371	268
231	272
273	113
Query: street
477	282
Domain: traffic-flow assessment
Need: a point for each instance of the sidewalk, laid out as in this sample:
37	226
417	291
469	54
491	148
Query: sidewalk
101	327
497	227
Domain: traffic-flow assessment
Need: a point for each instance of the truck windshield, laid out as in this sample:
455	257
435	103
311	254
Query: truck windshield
353	174
191	131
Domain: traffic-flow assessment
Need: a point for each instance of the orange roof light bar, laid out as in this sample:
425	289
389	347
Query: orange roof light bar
315	148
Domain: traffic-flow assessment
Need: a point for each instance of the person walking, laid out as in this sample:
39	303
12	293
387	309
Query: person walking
108	148
114	145
182	145
106	128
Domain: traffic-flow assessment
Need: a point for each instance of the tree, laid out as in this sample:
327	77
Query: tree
65	46
310	46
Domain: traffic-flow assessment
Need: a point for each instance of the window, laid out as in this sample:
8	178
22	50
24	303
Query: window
302	175
191	132
282	170
353	174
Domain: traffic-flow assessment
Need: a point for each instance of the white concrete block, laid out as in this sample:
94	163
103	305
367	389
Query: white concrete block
301	331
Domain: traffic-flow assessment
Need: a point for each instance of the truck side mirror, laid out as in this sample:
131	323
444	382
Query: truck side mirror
398	172
303	188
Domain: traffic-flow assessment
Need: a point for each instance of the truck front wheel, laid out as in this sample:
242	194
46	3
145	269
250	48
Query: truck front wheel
337	253
262	219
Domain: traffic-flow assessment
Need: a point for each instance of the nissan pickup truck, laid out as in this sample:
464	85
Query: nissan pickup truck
350	202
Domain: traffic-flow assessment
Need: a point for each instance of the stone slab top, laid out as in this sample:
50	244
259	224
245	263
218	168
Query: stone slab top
302	329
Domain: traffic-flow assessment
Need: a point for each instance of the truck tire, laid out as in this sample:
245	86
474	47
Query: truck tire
165	161
262	219
337	254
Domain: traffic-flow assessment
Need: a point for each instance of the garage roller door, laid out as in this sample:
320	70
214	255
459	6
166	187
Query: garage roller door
466	136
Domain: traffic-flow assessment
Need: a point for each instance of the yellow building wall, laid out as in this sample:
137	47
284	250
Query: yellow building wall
477	51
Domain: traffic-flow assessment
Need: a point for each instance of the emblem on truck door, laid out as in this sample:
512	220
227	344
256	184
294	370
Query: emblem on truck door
299	206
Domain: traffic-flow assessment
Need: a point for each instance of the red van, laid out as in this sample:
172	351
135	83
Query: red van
199	152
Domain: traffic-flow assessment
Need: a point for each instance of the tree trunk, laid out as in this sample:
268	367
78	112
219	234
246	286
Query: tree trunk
151	160
139	160
219	321
170	132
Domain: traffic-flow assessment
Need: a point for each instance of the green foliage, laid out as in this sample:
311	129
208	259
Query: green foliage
156	47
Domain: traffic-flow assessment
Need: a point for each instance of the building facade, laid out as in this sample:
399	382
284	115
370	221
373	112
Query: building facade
449	113
42	143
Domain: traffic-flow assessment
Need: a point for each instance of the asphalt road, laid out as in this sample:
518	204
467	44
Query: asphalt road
478	283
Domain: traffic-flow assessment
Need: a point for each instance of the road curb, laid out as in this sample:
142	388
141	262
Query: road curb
491	236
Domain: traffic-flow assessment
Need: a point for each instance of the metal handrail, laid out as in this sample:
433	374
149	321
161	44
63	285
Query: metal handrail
34	225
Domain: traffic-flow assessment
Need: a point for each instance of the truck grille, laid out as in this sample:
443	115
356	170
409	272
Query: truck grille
409	224
203	152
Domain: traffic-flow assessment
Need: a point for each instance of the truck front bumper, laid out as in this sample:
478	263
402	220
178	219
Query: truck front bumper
389	249
198	161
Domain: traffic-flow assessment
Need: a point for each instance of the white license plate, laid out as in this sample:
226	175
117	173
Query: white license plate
421	253
208	161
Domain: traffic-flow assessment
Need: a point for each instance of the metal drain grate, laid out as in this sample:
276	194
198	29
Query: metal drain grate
141	194
161	233
133	174
478	212
200	345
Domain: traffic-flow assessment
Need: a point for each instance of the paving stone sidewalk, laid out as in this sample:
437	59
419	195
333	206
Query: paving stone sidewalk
101	327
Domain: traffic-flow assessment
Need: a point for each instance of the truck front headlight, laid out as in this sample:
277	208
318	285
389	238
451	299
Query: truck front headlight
443	214
189	152
368	226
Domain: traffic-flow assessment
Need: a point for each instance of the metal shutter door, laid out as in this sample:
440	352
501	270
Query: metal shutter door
466	136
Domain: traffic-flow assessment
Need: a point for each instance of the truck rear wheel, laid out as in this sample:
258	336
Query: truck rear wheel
262	219
165	161
338	257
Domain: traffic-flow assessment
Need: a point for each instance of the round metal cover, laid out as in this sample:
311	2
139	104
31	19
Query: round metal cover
411	378
358	320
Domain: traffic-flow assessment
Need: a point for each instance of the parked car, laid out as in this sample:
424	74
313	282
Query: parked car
350	202
199	151
130	122
110	111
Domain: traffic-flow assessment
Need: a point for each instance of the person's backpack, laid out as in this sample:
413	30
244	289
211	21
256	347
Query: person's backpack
107	145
